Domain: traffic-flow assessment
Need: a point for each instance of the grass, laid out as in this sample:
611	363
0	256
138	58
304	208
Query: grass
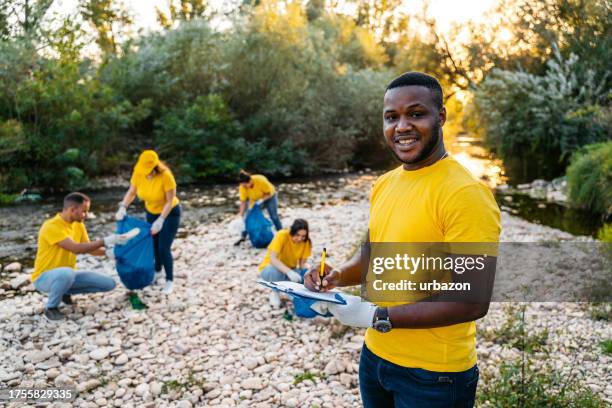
600	311
606	346
306	375
176	385
522	383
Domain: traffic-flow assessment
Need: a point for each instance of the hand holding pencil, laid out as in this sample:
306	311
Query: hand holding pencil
322	277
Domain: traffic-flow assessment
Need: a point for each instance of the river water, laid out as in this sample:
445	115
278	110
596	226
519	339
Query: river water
19	224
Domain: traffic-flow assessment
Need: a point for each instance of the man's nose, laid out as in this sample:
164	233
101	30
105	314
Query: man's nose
404	124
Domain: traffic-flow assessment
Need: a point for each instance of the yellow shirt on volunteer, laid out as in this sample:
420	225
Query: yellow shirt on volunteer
49	254
261	186
153	192
443	202
288	251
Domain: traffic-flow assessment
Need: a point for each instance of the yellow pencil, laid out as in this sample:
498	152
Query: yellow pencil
322	271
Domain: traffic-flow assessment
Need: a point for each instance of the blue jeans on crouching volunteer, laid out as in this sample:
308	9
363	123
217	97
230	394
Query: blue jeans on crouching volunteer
384	384
271	274
66	281
162	241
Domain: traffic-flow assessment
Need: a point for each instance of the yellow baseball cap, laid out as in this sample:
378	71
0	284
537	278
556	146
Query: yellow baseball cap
146	162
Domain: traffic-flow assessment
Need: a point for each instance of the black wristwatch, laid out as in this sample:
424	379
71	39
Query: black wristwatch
381	320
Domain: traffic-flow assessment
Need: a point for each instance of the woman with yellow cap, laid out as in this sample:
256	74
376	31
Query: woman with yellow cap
153	182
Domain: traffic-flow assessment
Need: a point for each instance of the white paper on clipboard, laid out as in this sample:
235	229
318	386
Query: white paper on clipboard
297	289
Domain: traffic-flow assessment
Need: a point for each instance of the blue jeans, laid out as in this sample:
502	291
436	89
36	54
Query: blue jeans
271	205
66	281
271	274
384	384
162	241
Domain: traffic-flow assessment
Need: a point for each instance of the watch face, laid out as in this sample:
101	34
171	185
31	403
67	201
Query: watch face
383	326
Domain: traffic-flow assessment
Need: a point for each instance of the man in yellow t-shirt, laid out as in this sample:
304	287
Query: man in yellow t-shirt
60	239
255	189
418	354
286	256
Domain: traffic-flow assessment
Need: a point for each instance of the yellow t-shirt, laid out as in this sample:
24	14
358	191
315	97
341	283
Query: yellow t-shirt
443	202
288	251
261	186
153	192
49	255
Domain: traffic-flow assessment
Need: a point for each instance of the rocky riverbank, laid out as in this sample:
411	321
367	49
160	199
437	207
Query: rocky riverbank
216	341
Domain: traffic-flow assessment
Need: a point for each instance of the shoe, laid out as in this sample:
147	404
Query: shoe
275	300
168	288
240	241
67	299
54	315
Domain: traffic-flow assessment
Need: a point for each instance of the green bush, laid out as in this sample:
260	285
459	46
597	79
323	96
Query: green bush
589	178
204	141
544	119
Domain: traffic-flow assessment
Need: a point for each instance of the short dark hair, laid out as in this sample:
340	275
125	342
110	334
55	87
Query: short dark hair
299	224
244	176
420	79
75	199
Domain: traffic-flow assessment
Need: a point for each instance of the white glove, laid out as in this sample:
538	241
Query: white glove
120	239
120	214
110	253
294	276
157	225
259	202
356	312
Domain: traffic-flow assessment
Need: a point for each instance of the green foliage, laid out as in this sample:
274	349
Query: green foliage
521	384
589	179
600	311
605	233
545	118
606	346
306	375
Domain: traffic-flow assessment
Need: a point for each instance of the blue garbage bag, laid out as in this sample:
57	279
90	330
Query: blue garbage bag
135	260
258	227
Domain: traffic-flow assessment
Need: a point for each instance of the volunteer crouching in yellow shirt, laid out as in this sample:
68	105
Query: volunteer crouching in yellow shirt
60	239
418	354
286	257
153	182
255	189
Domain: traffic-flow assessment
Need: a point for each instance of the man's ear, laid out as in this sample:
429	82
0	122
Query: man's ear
442	116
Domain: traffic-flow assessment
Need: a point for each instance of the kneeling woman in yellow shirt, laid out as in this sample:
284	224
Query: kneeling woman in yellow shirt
286	256
153	183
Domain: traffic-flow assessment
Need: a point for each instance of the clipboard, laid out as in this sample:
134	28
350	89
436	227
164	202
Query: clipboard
298	290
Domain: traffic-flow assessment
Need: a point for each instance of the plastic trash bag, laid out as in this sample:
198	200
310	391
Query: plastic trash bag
135	260
236	226
258	227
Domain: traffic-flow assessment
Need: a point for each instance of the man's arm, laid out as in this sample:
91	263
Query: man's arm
425	315
81	248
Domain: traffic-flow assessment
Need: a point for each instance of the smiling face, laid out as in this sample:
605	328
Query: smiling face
412	123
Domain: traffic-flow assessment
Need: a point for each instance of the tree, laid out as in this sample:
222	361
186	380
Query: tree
110	19
183	10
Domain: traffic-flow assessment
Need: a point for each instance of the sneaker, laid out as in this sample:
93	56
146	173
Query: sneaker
275	300
67	299
54	315
168	288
